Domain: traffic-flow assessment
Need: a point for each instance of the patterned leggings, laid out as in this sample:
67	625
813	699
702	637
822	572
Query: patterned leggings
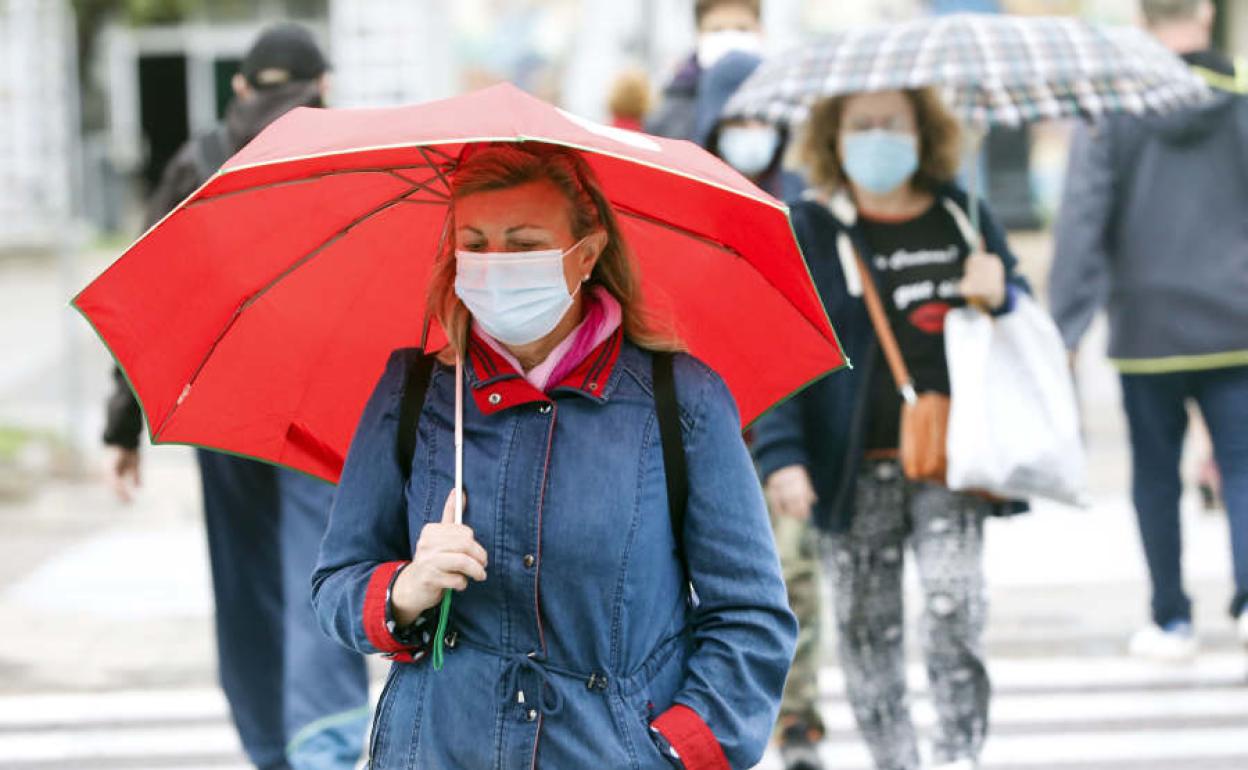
945	530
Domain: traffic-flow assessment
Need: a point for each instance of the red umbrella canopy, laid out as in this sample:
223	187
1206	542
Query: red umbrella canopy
256	317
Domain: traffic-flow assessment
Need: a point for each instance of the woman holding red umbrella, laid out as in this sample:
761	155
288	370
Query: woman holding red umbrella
574	638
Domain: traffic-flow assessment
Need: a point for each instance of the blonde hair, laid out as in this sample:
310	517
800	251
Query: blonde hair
501	165
940	150
630	95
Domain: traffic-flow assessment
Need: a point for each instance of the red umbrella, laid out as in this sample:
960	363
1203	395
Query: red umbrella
256	317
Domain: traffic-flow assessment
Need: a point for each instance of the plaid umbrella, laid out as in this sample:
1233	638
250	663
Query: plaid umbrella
995	69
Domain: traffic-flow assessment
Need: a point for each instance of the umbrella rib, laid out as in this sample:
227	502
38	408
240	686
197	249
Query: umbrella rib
449	159
255	296
436	169
424	185
677	229
303	180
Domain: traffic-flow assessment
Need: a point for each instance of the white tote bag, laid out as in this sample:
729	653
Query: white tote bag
1013	420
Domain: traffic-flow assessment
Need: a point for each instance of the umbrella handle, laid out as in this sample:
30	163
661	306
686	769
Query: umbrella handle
975	136
444	615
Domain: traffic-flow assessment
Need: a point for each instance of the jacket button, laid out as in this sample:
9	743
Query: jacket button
495	399
531	715
529	561
593	386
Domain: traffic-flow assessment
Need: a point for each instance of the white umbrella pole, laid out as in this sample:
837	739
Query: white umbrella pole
459	439
975	145
444	614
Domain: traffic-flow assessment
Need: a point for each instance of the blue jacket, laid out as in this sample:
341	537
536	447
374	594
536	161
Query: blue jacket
584	610
824	426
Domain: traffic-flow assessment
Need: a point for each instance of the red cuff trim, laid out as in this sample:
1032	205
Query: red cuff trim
375	608
692	739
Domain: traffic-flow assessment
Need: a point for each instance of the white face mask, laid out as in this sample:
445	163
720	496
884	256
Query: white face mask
713	46
518	297
749	149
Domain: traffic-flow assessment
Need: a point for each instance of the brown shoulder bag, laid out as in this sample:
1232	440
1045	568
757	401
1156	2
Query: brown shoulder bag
924	416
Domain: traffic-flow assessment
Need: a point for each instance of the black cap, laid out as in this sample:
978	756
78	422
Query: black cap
283	53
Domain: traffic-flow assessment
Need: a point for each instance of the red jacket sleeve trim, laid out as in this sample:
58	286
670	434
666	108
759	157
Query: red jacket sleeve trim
692	739
374	619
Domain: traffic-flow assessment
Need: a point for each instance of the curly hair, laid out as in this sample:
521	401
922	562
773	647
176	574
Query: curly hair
940	148
502	165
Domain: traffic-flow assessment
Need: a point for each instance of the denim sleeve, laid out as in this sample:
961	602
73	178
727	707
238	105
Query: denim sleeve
366	542
744	632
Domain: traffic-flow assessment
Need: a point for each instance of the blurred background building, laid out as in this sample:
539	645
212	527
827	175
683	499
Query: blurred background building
98	94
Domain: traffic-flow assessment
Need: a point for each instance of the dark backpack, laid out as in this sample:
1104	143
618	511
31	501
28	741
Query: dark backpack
416	383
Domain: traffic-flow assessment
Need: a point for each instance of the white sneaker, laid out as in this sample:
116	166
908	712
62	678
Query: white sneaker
1172	644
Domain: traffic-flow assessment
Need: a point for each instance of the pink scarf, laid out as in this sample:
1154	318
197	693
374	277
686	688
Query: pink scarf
603	315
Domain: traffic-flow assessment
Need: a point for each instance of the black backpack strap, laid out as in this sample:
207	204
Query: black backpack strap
674	466
415	384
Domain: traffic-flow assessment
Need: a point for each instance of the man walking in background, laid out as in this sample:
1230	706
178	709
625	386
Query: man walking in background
298	700
1153	226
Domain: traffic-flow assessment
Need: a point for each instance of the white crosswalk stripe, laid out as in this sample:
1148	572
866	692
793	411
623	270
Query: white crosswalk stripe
1084	714
1064	714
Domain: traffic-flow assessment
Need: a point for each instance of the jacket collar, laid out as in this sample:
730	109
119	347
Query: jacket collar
496	385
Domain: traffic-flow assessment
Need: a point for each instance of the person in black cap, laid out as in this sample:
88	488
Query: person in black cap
299	701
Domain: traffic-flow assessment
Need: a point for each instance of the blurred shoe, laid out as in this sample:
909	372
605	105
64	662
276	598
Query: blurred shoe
799	747
1243	626
1174	642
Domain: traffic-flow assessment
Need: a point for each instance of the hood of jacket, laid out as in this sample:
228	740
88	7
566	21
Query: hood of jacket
718	85
1192	125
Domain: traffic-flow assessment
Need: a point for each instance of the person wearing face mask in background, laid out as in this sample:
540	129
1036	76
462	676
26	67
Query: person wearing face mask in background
723	26
753	147
881	167
297	700
757	150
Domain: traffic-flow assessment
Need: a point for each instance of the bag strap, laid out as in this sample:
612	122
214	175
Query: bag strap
674	467
415	384
884	332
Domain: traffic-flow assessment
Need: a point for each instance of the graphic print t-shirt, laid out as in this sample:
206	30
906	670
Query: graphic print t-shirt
918	265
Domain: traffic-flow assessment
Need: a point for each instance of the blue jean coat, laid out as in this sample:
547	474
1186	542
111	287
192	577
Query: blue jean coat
583	637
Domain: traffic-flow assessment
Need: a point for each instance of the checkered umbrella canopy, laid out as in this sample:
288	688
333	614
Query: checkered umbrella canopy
995	69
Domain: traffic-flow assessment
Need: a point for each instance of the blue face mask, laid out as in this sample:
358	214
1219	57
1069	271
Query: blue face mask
518	297
749	149
880	161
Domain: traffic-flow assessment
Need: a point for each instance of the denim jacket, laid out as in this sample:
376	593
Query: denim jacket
583	638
